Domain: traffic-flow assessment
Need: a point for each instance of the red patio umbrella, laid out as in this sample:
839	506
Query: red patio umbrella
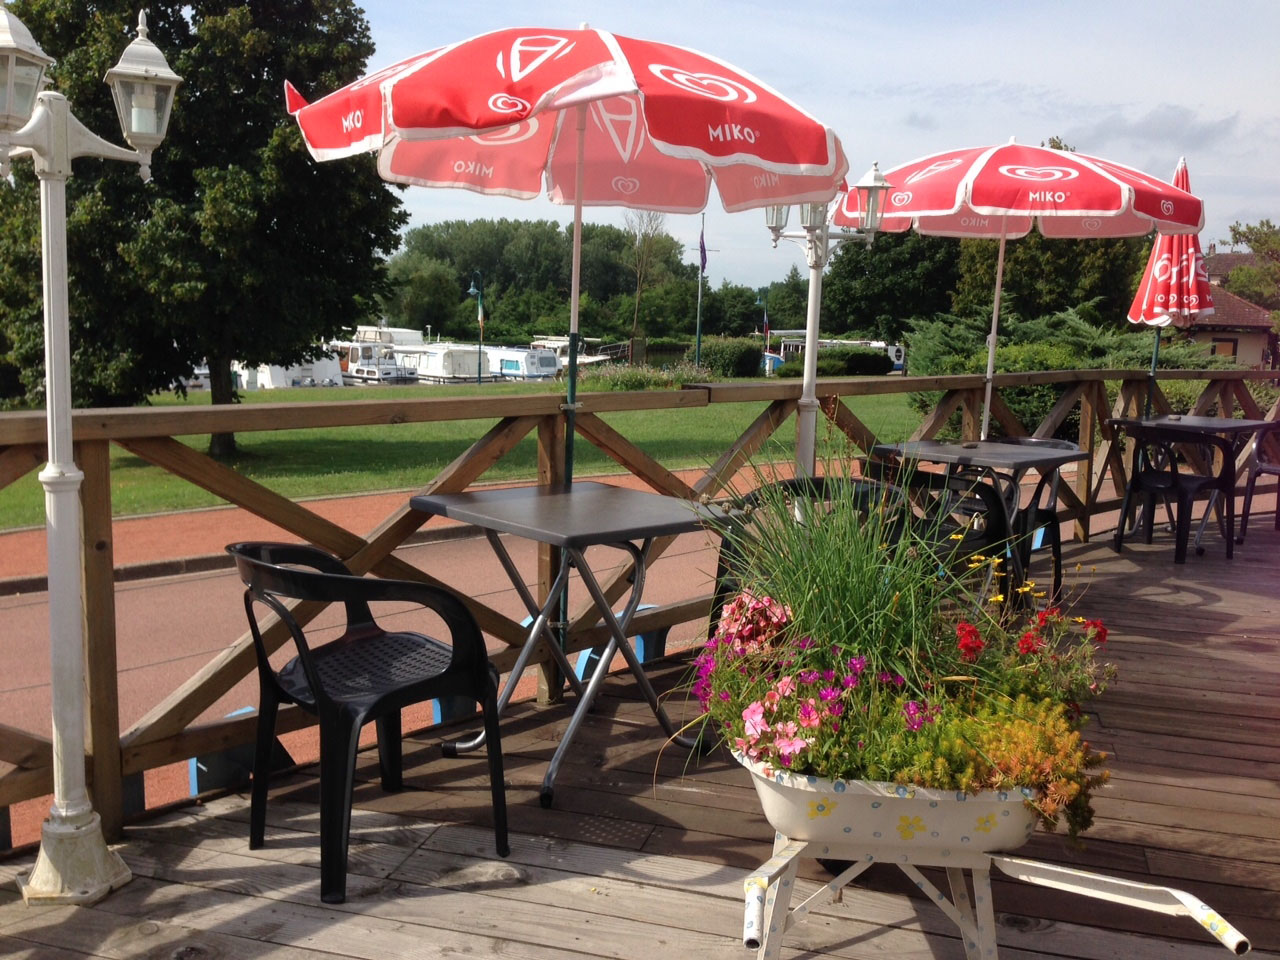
1175	287
599	119
1001	192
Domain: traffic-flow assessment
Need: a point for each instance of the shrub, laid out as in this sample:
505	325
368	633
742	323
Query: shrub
842	362
729	356
619	376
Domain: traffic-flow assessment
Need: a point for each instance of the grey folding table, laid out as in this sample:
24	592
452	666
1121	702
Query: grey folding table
573	518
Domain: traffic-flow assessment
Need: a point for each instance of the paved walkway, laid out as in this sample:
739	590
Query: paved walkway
189	541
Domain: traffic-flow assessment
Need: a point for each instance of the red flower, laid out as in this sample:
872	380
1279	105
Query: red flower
1030	642
970	641
1095	631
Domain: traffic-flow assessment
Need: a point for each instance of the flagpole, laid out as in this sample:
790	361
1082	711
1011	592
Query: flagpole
702	272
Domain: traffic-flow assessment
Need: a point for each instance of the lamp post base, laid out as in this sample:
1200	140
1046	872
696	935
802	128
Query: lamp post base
74	865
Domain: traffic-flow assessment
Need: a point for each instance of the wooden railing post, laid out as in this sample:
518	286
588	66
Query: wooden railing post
1090	411
102	713
550	472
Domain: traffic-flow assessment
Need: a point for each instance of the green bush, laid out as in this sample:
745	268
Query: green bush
842	362
620	376
729	356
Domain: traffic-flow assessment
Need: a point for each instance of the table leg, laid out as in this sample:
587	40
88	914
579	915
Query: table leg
537	631
619	627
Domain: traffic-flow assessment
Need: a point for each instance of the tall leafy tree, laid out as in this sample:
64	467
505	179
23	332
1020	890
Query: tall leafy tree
242	247
878	290
1259	282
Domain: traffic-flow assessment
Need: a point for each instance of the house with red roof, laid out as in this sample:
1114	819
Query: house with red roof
1236	328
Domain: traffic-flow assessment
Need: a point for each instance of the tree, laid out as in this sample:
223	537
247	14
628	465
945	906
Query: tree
878	290
645	228
788	301
1260	282
242	247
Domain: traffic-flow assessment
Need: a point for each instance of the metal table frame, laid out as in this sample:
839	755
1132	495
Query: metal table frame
583	515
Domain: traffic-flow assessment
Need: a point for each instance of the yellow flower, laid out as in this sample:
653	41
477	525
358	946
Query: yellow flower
908	827
821	807
1079	619
957	536
1039	594
1025	589
996	598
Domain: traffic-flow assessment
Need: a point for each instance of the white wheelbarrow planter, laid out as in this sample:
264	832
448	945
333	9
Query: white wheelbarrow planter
865	823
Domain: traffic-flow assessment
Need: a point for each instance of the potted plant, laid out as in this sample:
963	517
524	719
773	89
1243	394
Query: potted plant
883	690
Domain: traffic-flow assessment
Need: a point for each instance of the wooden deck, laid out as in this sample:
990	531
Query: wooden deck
645	851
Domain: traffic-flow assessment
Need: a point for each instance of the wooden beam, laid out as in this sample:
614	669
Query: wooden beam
937	418
745	447
838	412
19	460
23	749
636	461
102	692
1003	415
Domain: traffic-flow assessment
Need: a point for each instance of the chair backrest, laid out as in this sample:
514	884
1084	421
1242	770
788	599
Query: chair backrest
951	505
1159	445
275	572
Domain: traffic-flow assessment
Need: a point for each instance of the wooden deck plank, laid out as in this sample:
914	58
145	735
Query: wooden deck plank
645	849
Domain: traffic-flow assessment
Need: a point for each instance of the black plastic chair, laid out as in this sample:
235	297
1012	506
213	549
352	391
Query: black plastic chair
1259	463
365	674
1041	512
1157	475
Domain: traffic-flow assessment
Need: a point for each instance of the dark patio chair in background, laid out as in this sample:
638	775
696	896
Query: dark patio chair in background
1040	513
367	673
1260	462
1158	475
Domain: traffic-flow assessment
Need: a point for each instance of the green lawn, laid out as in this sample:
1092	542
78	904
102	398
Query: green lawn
343	460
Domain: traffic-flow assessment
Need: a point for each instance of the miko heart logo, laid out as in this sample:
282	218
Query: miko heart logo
504	136
1038	174
1092	224
704	84
900	198
505	103
1166	207
626	185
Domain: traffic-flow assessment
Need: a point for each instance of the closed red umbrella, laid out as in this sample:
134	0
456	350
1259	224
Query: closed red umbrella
1175	286
1001	192
591	117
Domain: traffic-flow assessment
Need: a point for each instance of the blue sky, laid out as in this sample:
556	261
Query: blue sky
1138	82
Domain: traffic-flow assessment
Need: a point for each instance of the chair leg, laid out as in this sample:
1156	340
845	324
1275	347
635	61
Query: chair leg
1148	515
268	706
390	751
1124	518
339	739
1248	505
1183	531
1229	514
1055	549
493	747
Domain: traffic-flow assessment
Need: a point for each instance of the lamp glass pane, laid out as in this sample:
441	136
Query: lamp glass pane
142	106
26	84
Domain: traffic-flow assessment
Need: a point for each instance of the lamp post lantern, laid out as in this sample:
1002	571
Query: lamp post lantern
819	241
477	291
74	864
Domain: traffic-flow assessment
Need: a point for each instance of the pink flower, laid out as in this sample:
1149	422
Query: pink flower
753	716
809	717
790	747
786	686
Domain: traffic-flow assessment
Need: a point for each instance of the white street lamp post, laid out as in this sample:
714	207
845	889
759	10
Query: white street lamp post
74	864
819	241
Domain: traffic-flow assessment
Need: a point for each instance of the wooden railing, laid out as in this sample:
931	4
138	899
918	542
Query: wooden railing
167	732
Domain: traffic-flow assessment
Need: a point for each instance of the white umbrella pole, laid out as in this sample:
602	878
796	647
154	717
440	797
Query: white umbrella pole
575	283
991	337
807	410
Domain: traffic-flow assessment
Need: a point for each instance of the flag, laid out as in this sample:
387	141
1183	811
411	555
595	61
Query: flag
480	315
702	249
